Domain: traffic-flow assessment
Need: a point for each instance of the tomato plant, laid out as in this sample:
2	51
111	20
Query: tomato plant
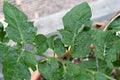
82	53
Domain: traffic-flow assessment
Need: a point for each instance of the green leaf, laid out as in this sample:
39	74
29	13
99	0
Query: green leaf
14	68
16	64
4	50
59	48
81	45
75	72
116	47
18	29
48	68
29	60
98	42
71	70
96	75
50	41
77	34
112	53
90	64
115	24
86	76
2	32
41	43
102	76
58	74
1	25
118	73
104	44
74	21
110	64
67	37
77	16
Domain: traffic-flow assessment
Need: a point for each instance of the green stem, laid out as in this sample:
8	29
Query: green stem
21	53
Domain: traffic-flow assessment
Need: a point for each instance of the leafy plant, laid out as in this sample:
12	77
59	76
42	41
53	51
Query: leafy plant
83	52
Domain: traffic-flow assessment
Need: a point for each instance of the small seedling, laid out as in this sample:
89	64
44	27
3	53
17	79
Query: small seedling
83	52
